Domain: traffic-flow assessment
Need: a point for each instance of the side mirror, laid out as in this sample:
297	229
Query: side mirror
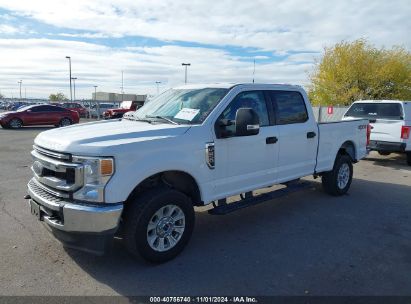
28	111
247	122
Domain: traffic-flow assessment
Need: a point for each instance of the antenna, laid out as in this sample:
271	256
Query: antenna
254	70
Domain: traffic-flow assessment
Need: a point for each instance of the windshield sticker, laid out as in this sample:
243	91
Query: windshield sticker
187	114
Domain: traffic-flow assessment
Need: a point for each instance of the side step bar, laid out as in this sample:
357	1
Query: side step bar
243	203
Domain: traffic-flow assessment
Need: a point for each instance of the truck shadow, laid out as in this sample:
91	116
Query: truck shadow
304	241
394	160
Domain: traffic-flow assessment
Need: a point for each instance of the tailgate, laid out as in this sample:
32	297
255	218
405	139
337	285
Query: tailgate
386	130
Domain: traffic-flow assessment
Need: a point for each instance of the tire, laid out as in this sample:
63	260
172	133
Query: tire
150	218
338	181
65	122
15	123
384	153
409	158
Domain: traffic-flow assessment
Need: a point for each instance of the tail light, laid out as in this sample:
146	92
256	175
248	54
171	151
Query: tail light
405	132
368	133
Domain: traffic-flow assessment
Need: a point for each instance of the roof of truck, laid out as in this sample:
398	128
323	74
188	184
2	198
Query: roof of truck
380	101
227	85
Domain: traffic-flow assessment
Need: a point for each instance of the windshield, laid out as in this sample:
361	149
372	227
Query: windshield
187	106
376	111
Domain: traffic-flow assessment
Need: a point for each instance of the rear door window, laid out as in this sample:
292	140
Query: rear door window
289	107
376	111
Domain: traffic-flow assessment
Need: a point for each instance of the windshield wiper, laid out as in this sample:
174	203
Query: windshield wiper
163	118
139	119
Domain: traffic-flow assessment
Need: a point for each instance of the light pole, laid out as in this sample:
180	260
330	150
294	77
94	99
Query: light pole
97	104
185	65
74	86
158	89
20	82
122	86
71	92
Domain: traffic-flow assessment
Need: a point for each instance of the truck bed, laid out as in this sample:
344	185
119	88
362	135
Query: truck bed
334	134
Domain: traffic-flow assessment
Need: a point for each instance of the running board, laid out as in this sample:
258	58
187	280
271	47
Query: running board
240	204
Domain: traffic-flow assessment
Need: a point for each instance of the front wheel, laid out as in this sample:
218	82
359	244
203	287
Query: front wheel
65	122
15	123
158	224
338	181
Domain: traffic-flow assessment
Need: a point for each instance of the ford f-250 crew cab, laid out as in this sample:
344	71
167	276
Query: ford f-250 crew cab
191	146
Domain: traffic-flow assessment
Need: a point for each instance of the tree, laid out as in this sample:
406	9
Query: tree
57	97
356	70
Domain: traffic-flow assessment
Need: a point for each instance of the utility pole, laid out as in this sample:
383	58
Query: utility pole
254	70
97	104
71	91
185	66
158	89
20	82
74	86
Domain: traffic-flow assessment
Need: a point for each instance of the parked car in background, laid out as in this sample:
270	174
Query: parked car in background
75	106
38	115
125	106
94	111
390	124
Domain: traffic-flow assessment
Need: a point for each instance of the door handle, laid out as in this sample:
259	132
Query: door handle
311	134
271	140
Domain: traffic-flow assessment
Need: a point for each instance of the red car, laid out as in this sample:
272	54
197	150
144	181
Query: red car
126	106
38	115
74	106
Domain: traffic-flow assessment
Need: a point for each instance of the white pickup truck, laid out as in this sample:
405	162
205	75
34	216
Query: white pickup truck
142	175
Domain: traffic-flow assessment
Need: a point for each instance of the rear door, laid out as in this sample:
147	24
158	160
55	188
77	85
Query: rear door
298	138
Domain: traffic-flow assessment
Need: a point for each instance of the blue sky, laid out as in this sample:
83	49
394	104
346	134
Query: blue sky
149	40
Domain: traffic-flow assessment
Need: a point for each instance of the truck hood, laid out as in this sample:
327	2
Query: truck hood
106	137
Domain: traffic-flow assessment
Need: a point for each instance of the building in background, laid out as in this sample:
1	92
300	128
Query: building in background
117	98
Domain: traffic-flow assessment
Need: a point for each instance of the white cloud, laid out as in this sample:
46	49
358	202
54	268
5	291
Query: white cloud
8	29
277	27
266	24
42	66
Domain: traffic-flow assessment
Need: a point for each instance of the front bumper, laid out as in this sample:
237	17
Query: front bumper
386	146
83	226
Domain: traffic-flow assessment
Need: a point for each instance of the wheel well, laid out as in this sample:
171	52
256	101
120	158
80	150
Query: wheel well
178	180
348	148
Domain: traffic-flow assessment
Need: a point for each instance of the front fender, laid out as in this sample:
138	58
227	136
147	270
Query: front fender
130	173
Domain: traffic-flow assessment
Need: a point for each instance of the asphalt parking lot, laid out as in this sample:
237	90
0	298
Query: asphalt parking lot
307	243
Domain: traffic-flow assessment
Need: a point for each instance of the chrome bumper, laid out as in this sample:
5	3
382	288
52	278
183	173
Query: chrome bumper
65	215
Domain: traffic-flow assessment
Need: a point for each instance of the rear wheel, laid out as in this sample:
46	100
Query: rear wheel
15	123
158	224
338	181
65	122
409	158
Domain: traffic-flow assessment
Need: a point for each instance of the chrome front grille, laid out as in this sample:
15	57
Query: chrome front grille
56	172
45	196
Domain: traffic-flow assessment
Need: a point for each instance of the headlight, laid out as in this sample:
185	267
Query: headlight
97	173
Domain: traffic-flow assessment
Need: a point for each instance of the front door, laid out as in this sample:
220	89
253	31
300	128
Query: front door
245	163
